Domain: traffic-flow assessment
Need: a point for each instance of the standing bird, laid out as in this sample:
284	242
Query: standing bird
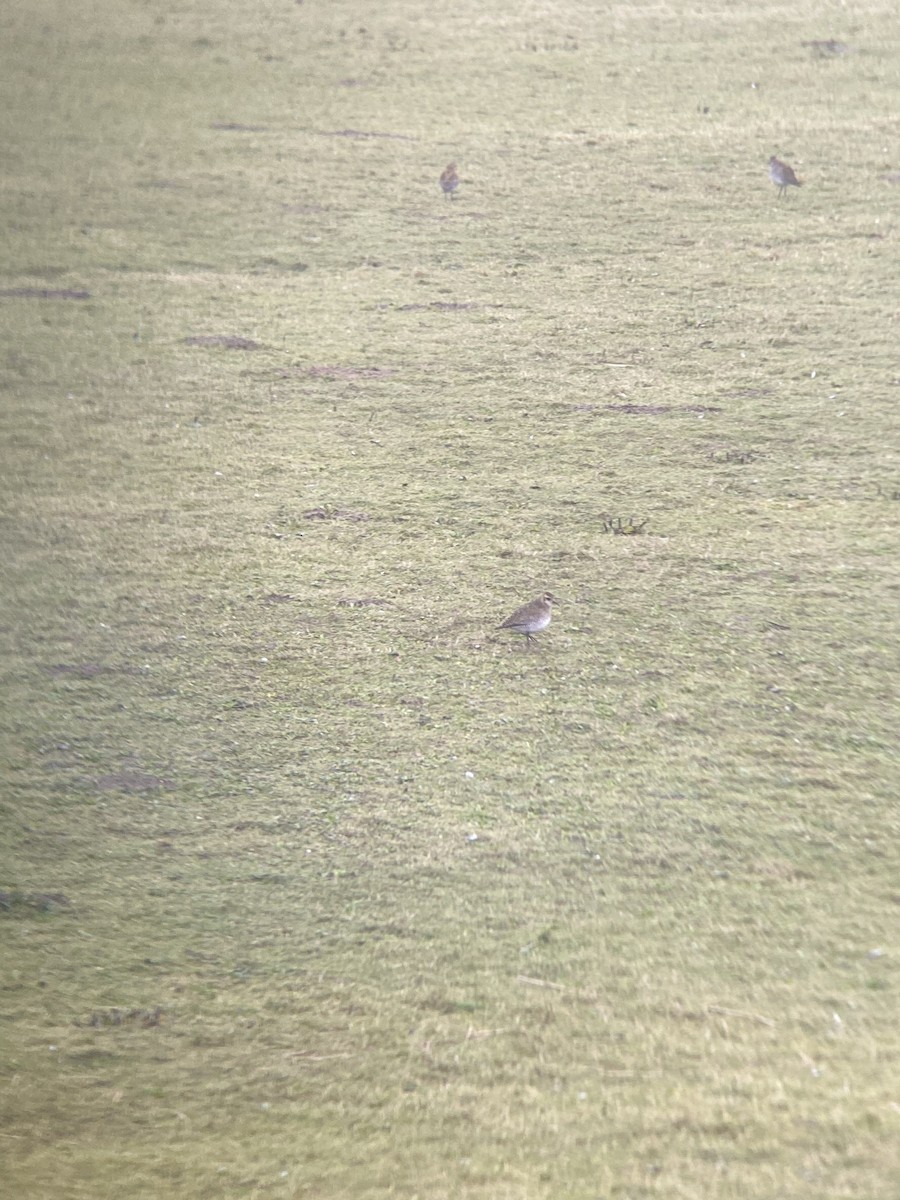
782	175
531	618
449	181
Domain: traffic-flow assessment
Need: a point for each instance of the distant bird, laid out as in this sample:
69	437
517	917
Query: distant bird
531	618
782	175
449	180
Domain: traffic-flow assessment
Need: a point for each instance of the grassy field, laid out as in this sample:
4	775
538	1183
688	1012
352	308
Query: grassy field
312	882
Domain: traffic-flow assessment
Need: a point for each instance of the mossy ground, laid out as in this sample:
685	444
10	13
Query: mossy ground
313	883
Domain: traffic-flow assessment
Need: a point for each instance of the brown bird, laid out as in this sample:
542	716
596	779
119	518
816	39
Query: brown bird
531	618
782	175
449	181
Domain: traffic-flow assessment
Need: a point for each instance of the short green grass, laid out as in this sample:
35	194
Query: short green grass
313	883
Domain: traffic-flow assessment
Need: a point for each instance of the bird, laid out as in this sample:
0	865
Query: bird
531	618
449	180
782	175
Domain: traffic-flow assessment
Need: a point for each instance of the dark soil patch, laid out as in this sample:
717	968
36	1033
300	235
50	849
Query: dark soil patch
226	340
827	48
111	1018
338	372
237	127
273	264
36	293
365	133
436	306
645	410
44	902
748	393
733	456
45	272
334	514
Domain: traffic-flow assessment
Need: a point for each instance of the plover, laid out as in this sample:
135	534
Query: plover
449	180
782	175
531	618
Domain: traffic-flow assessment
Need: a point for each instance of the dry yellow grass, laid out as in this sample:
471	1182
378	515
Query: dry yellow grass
312	884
